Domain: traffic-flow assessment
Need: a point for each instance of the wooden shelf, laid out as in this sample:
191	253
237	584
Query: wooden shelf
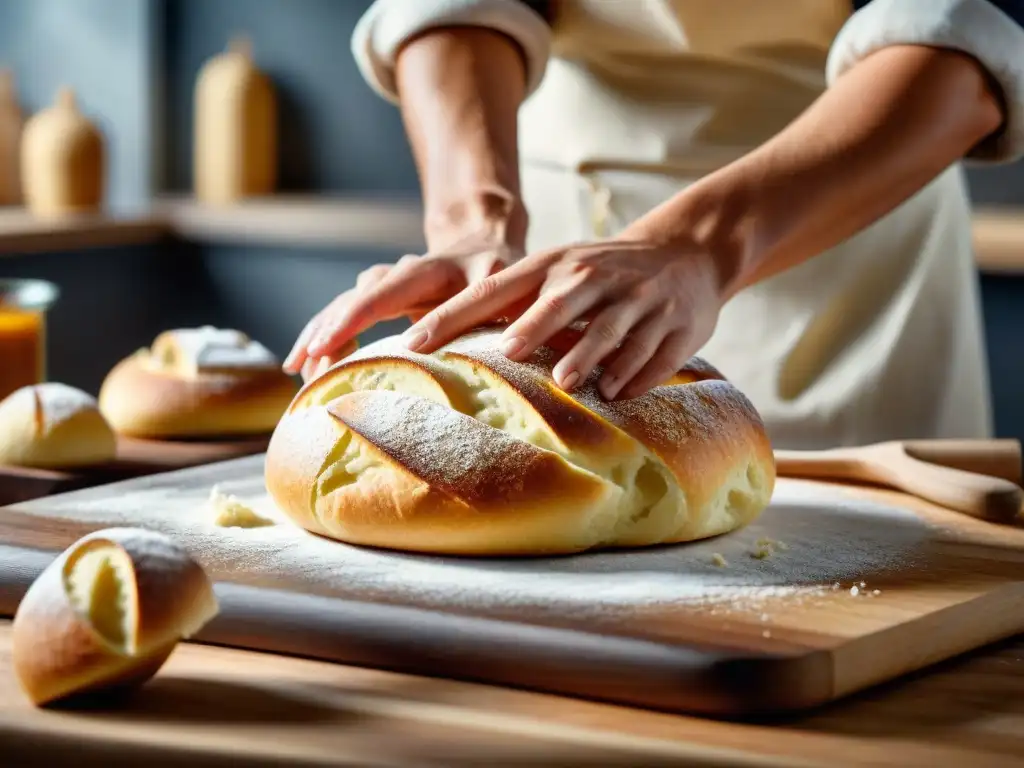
338	222
300	221
21	232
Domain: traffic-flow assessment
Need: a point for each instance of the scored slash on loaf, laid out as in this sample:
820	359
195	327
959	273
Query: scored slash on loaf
467	452
197	382
52	425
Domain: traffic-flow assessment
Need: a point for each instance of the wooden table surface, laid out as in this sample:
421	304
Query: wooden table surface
218	707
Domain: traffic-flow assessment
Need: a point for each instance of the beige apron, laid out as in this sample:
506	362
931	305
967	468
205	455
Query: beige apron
878	338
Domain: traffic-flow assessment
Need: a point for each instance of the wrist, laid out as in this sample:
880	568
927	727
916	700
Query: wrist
493	217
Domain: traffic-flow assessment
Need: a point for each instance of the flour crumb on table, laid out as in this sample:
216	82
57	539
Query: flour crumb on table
231	512
719	559
766	547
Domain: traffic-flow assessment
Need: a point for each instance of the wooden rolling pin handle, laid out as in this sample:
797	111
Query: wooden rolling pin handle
981	496
995	458
980	478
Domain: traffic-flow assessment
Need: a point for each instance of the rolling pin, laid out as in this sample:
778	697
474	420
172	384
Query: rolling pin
980	478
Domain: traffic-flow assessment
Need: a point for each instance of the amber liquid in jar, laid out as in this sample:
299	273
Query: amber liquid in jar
22	345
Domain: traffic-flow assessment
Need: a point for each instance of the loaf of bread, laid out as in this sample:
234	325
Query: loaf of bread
467	452
54	426
107	613
197	383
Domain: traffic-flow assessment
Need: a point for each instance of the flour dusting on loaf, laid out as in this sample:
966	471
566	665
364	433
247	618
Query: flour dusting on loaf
209	348
53	425
467	452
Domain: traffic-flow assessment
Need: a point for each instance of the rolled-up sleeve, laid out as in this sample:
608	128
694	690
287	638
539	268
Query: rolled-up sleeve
388	24
992	31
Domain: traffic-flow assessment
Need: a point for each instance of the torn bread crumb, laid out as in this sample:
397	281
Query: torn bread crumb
231	512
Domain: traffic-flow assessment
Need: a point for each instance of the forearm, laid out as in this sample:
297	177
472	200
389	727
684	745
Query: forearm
880	134
460	89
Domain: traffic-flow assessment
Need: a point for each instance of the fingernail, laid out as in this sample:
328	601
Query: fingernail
570	380
415	339
609	388
316	346
510	347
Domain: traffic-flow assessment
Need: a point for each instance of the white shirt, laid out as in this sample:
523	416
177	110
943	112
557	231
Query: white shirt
632	100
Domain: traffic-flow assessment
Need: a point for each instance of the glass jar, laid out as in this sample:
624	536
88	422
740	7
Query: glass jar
23	308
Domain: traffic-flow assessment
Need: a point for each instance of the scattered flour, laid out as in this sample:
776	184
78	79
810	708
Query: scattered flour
847	541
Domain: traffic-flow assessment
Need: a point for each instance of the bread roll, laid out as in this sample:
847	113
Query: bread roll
195	383
53	426
107	613
467	452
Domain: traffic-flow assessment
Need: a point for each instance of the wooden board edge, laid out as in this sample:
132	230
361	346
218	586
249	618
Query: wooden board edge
979	620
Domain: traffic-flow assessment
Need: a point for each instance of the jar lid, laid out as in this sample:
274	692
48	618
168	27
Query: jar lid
27	294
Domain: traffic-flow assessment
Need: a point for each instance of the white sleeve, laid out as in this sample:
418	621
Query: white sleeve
388	24
975	27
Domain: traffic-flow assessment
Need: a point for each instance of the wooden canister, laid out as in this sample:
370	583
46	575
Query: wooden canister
62	160
235	142
11	124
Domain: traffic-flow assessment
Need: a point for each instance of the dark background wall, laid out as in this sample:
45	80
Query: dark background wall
134	64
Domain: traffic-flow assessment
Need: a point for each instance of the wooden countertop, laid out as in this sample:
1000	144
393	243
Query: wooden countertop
218	707
214	706
324	221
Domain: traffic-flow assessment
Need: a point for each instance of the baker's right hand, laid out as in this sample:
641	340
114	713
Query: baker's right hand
409	288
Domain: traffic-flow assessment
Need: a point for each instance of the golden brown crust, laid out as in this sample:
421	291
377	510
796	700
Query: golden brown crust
504	462
54	426
140	401
58	652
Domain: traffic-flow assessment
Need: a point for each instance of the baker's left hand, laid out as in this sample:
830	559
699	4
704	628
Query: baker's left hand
650	308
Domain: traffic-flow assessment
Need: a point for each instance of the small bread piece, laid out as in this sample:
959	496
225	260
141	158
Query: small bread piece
196	383
229	511
54	426
107	613
467	452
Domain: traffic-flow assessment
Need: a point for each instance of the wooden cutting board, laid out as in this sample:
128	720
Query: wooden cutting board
866	589
135	458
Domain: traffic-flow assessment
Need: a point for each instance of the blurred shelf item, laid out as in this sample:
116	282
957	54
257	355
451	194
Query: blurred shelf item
235	128
999	240
23	232
63	160
286	220
12	121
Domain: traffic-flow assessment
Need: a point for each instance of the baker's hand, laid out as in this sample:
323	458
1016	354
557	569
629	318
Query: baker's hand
408	288
650	308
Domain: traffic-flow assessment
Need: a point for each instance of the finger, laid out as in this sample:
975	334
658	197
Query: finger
324	320
477	303
559	304
484	265
373	275
408	286
299	352
671	356
323	364
309	369
601	337
297	356
634	353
